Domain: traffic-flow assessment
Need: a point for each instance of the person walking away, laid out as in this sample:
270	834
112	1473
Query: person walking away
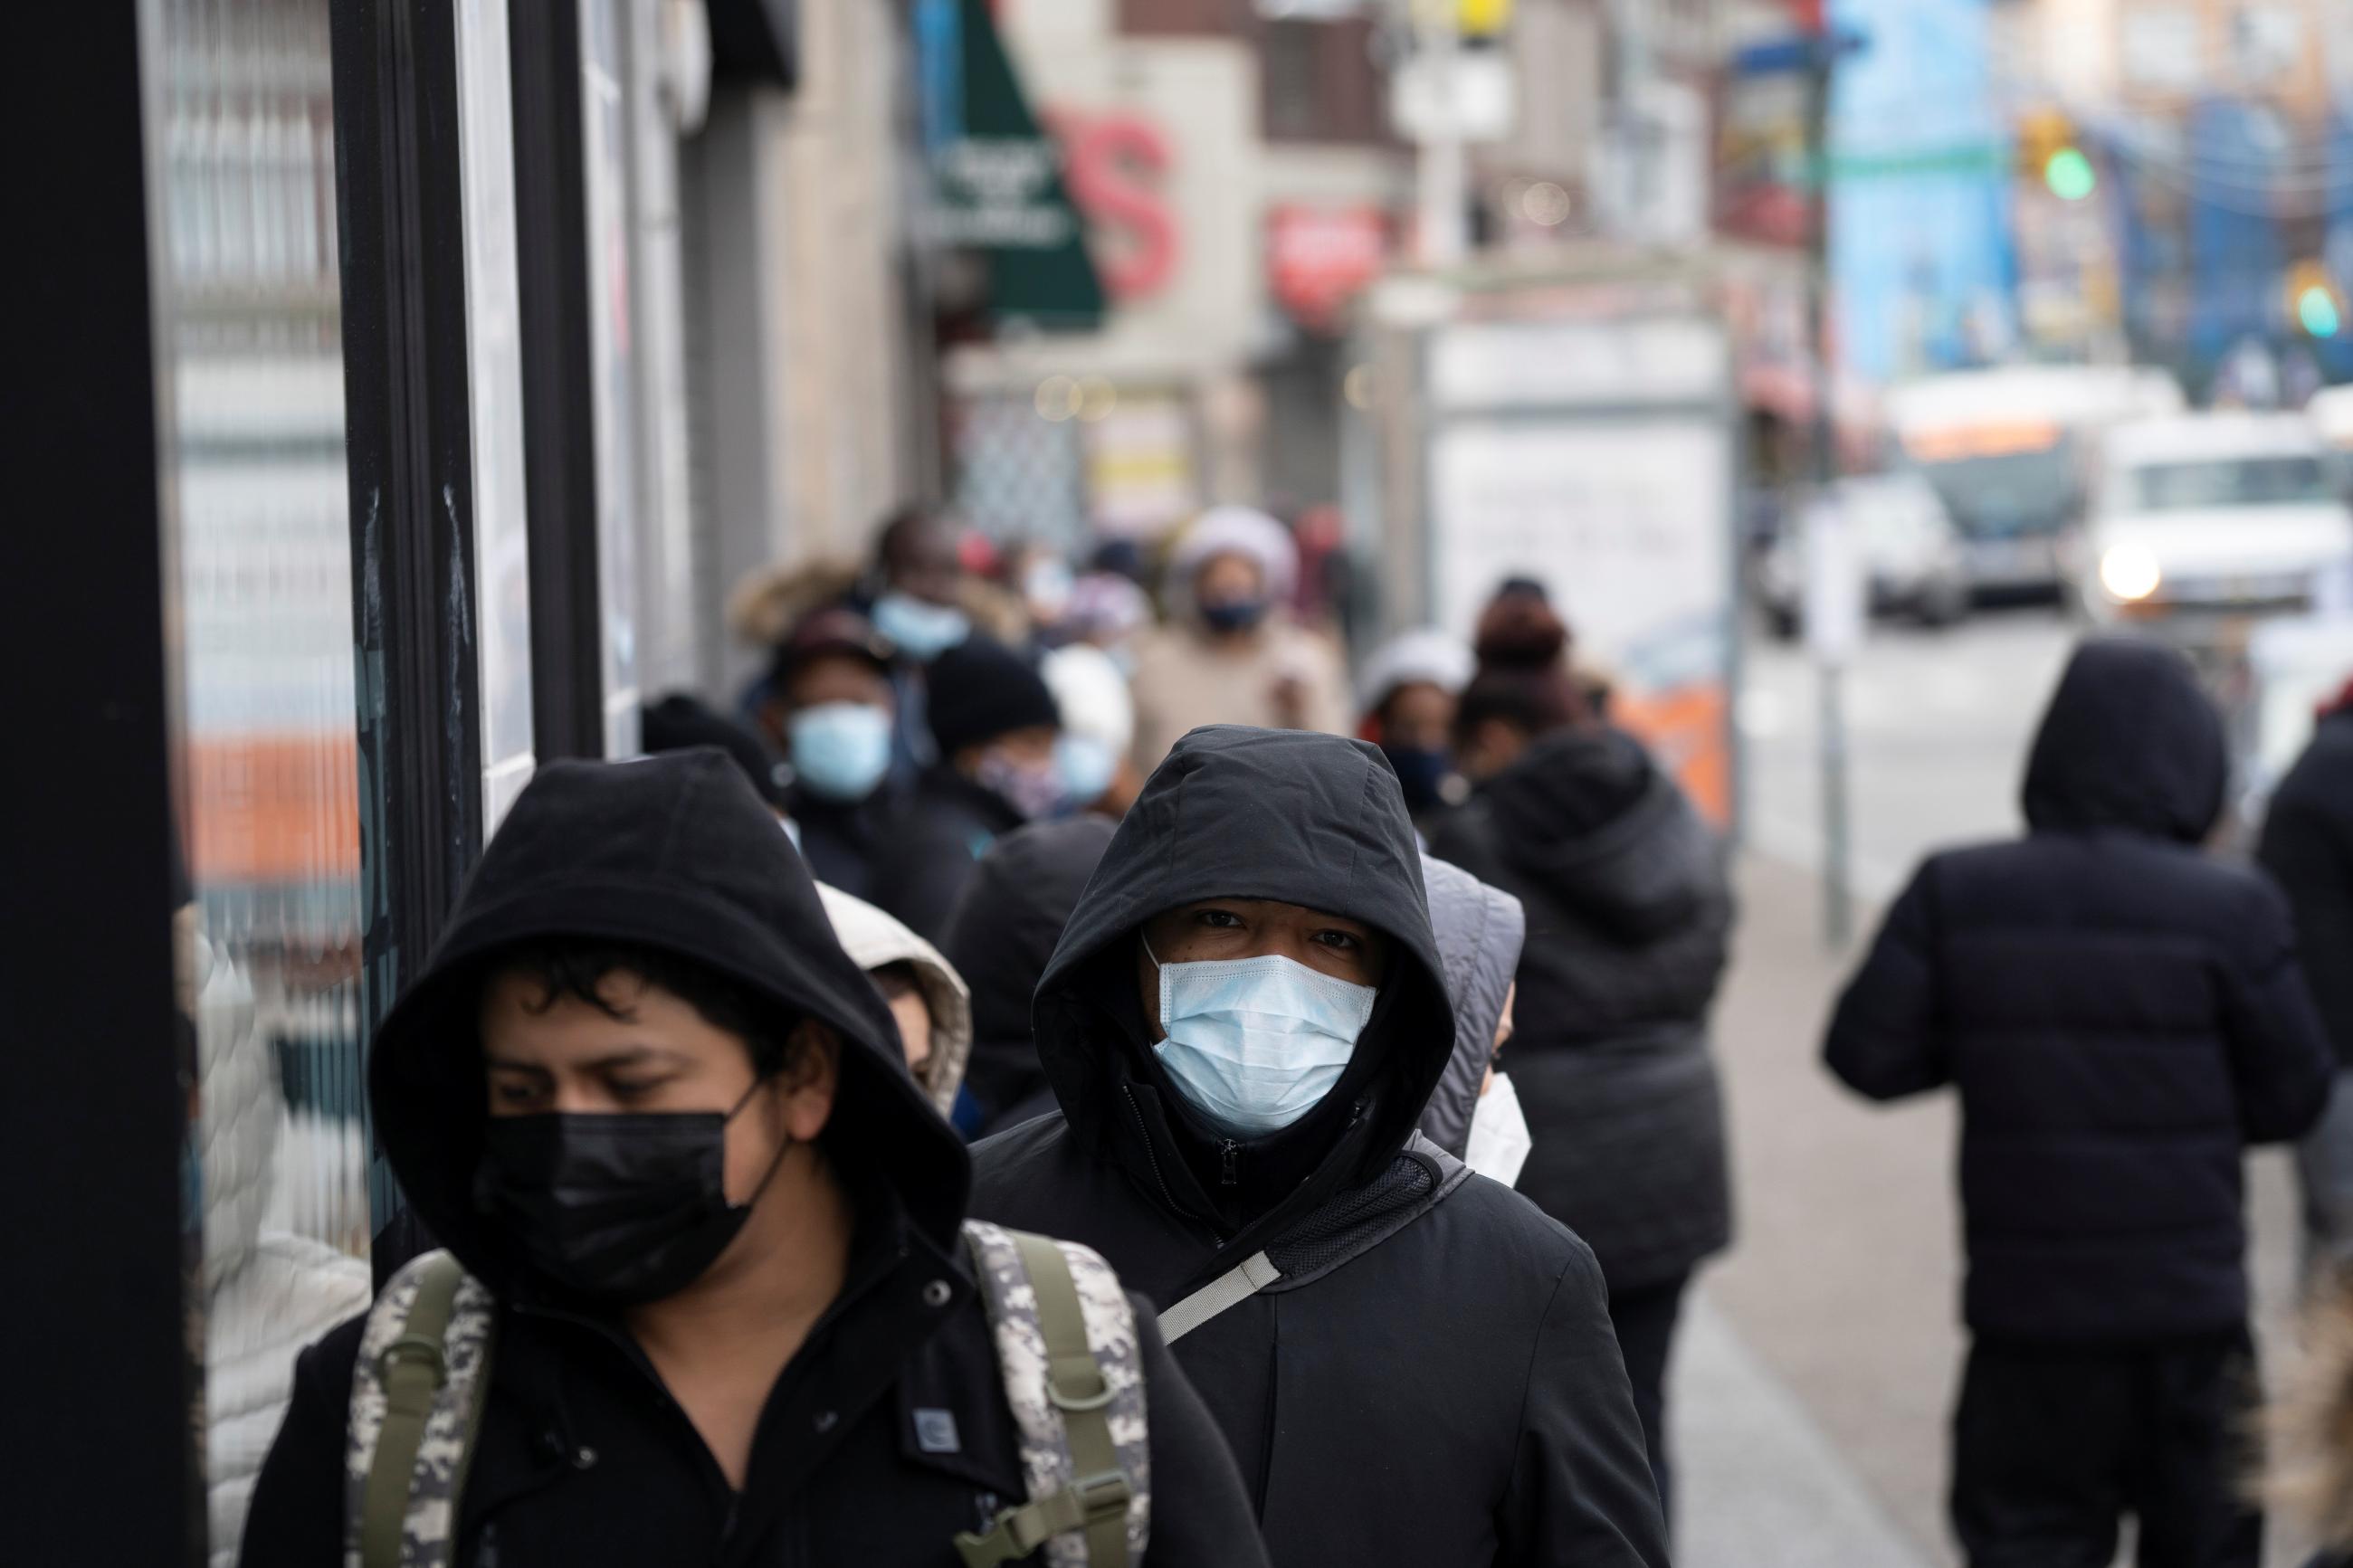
715	1303
2308	846
1230	654
831	709
2121	1015
927	998
1628	919
1409	694
996	728
1003	933
1242	1023
1474	1113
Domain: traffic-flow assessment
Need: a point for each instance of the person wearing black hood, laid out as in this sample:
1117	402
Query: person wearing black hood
1242	1023
2121	1015
710	1223
994	720
1002	936
1629	916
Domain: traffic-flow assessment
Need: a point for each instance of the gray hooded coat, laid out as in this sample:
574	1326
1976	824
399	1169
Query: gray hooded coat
1479	931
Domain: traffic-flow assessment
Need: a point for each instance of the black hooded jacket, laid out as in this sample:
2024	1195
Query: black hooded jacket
999	939
2308	846
2121	1016
583	1458
1628	913
1434	1379
948	824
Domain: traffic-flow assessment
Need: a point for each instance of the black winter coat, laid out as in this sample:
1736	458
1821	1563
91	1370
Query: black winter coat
1628	916
583	1457
2308	845
2120	1014
935	843
1000	939
1434	1380
844	842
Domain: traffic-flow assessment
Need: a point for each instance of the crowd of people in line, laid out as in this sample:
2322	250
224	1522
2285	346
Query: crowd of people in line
1050	1074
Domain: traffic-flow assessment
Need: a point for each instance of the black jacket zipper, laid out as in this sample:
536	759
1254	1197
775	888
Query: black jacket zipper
1229	1156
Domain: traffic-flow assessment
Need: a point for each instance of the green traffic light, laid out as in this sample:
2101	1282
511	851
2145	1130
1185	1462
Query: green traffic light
2070	175
2316	309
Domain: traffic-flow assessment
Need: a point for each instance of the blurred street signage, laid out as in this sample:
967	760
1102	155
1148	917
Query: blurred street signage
1467	95
1836	592
1320	257
997	174
1495	364
1795	51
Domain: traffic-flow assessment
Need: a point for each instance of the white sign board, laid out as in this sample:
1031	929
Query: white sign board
1624	520
1835	608
1523	364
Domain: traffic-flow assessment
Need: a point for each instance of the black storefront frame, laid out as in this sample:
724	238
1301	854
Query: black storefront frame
409	451
94	1121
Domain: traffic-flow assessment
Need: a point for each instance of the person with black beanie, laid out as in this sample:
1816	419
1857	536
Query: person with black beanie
1000	936
995	722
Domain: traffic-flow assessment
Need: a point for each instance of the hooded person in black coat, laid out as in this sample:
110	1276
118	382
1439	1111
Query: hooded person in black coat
657	906
1432	1379
2308	846
2121	1015
1002	936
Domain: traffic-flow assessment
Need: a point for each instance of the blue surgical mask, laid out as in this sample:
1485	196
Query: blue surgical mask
1086	766
841	750
919	629
1255	1043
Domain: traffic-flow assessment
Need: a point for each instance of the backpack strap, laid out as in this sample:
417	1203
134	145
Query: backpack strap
1067	1347
1231	1288
418	1389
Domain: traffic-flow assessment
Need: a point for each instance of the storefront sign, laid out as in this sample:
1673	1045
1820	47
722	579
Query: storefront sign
1318	258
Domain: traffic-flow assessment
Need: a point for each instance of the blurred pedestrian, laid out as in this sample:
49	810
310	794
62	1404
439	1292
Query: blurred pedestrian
1407	695
1098	728
681	722
1243	1022
1474	1113
1629	914
996	728
2122	1015
2308	846
830	707
927	998
1230	653
1002	933
711	1300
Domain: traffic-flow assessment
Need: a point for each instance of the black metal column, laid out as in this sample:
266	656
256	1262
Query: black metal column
96	1442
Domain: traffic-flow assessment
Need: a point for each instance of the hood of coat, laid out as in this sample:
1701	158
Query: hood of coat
1005	929
676	852
2130	741
875	939
239	1111
1589	817
1302	818
1479	930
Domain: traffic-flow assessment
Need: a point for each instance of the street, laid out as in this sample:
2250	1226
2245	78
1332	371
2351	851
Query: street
1816	1373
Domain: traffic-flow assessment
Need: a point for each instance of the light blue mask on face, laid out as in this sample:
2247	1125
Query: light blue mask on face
919	629
1255	1043
841	750
1085	765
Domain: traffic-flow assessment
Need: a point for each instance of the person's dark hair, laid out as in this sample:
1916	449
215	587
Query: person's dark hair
577	969
896	980
900	526
1524	679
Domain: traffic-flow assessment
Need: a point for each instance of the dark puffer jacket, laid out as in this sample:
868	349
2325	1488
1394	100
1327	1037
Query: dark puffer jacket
1000	938
1628	916
2308	846
583	1458
2121	1015
1434	1378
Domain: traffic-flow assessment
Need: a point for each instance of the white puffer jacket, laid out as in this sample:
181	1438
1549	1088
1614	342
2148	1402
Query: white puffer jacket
269	1294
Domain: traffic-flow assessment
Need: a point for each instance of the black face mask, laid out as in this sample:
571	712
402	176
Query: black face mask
1234	614
618	1209
1421	773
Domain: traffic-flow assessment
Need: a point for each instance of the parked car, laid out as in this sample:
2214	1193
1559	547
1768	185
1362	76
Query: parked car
2206	516
1915	563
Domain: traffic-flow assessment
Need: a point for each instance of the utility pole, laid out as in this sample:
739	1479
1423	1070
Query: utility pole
1838	907
1443	174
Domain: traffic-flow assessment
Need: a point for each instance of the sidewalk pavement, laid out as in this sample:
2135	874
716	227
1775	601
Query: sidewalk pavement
1814	1380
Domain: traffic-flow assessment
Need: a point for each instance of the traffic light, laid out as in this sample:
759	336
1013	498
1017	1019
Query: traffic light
2314	300
2048	149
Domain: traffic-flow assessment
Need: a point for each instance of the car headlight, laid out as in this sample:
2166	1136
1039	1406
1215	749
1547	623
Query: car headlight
2129	573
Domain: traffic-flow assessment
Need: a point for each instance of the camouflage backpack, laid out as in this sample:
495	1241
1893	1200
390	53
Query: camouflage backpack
1066	1347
